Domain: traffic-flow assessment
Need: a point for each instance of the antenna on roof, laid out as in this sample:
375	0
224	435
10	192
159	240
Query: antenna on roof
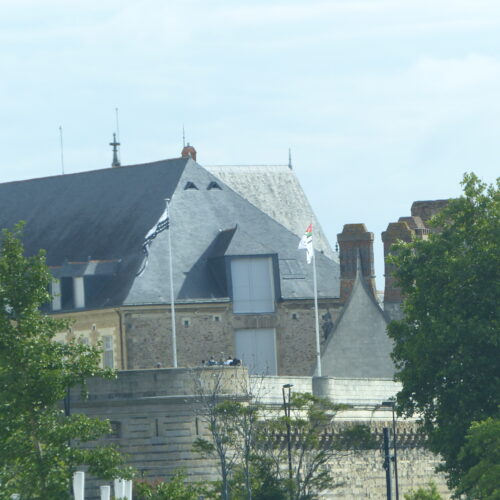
62	151
290	159
183	138
117	124
115	144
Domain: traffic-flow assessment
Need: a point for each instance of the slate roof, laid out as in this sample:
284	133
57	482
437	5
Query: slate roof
88	219
276	190
358	346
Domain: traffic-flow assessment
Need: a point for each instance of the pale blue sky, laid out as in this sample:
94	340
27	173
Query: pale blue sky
383	102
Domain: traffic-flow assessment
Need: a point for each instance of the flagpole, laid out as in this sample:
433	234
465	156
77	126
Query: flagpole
315	284
172	301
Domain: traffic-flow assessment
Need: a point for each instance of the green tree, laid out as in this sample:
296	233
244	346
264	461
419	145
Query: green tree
313	445
482	450
175	489
429	493
39	445
447	346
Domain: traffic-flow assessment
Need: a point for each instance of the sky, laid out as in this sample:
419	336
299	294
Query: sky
381	102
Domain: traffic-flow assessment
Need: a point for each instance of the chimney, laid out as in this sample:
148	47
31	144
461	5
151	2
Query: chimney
353	240
188	151
396	231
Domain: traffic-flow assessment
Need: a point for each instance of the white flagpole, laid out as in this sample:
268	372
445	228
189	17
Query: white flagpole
318	350
172	301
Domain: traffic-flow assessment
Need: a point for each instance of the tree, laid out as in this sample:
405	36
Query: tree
314	445
39	444
447	346
219	407
482	450
175	489
249	440
429	493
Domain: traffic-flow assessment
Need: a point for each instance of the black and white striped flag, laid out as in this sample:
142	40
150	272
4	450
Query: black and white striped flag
162	224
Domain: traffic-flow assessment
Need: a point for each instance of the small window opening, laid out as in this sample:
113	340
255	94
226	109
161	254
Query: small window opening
190	185
107	354
213	185
216	318
186	323
116	429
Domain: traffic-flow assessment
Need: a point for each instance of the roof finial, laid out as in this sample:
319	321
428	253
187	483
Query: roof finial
290	159
183	138
115	144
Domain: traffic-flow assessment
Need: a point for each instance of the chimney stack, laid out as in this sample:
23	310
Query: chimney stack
188	151
355	239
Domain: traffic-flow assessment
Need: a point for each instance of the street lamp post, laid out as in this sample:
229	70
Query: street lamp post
392	405
286	408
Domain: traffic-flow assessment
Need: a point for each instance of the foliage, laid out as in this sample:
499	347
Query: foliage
447	346
222	417
482	450
175	489
313	445
37	459
249	443
429	493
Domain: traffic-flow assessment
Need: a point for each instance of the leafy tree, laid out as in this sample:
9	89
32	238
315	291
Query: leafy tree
220	412
39	444
447	346
248	441
175	489
482	449
314	445
429	493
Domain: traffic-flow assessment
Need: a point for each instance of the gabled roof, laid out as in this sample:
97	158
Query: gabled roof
358	346
104	215
276	190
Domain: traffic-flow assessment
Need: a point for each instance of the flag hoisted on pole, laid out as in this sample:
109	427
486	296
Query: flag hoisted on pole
306	243
163	224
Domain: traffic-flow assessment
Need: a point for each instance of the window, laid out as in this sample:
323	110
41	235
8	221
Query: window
252	284
68	293
56	295
213	185
116	429
190	185
107	345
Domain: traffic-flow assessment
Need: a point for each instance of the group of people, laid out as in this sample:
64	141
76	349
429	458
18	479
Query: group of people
230	361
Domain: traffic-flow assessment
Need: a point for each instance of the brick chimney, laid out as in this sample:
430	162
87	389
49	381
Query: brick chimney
353	240
188	151
396	231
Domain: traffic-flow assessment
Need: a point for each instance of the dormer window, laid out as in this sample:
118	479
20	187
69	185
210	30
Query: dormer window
252	285
190	185
213	185
68	293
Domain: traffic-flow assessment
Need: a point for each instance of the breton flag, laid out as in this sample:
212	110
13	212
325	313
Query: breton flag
162	224
306	243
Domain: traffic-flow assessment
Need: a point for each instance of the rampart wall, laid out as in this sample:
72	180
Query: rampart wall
155	416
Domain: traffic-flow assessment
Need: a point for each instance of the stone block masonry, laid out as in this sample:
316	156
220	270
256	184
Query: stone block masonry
155	419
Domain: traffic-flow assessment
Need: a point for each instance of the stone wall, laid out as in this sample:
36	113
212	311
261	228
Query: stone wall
156	416
204	330
93	326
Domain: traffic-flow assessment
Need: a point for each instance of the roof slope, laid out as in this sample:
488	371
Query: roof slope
358	346
276	190
198	217
104	215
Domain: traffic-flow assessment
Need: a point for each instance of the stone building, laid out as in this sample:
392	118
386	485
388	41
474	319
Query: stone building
241	286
